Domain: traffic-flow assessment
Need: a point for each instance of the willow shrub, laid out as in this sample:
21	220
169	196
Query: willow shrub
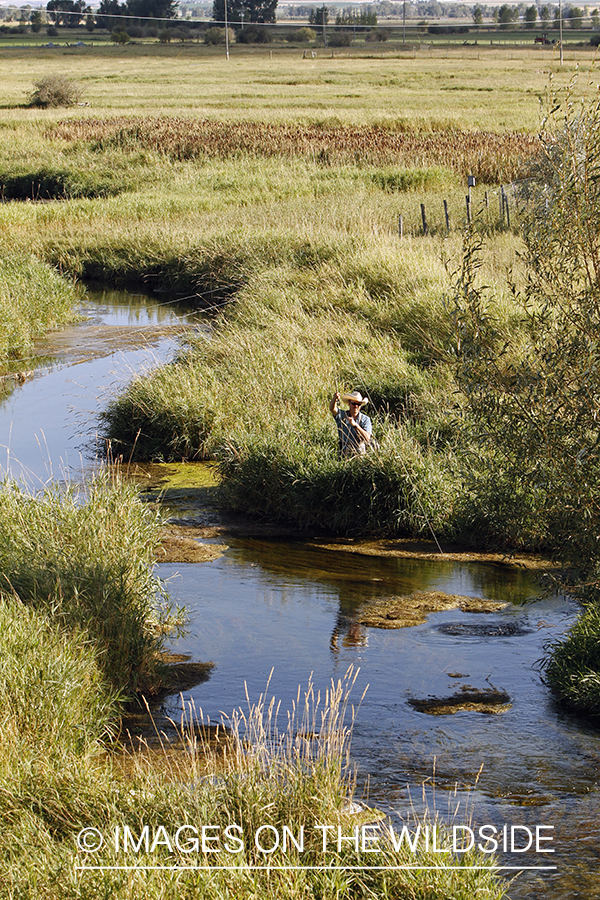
534	408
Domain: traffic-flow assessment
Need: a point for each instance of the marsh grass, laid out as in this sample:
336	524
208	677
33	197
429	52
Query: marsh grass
83	558
572	667
491	157
314	316
33	298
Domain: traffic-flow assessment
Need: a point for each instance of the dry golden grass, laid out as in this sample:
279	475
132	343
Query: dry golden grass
491	157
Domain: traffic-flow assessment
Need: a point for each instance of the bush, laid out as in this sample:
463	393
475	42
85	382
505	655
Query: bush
380	34
53	91
217	36
254	34
302	36
533	396
120	37
340	39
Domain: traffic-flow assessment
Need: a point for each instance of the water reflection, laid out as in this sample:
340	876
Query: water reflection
293	607
47	421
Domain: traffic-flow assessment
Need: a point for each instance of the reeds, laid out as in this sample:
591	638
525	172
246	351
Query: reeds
491	157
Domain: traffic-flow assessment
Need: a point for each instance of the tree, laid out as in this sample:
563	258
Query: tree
534	393
505	15
478	16
530	16
151	9
576	17
109	9
67	13
318	15
36	21
111	12
545	13
254	11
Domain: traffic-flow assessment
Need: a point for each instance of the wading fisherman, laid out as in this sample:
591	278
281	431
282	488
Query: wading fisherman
354	428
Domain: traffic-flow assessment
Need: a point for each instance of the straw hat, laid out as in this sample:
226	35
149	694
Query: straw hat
355	397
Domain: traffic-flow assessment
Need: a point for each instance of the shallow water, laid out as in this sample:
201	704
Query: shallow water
47	424
292	608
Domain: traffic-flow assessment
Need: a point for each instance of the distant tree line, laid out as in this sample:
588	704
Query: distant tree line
72	13
256	12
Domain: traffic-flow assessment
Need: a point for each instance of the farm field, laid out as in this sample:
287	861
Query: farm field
493	89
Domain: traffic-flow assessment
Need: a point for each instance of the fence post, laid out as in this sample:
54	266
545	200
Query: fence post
468	199
424	218
400	227
446	215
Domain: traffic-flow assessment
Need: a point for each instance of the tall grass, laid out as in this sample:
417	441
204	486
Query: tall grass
84	559
490	157
33	298
265	770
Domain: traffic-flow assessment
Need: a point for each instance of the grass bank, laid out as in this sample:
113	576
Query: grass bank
76	807
33	299
83	559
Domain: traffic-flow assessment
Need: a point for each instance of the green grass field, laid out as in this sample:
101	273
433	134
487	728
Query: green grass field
472	87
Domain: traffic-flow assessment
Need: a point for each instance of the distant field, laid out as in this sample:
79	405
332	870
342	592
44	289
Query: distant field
471	87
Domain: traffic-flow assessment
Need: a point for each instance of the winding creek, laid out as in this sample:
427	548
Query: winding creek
293	608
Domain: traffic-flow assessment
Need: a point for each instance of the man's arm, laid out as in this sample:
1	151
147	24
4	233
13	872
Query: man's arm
333	406
364	435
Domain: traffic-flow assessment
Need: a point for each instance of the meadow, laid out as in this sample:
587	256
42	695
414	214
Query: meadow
292	246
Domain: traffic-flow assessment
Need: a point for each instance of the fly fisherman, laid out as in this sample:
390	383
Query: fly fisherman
354	428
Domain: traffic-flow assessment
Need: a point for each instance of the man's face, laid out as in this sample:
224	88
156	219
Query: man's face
354	408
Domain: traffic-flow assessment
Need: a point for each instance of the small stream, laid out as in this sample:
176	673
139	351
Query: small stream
293	608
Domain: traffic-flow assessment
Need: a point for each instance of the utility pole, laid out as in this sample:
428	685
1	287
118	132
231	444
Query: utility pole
404	23
226	34
325	26
560	30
